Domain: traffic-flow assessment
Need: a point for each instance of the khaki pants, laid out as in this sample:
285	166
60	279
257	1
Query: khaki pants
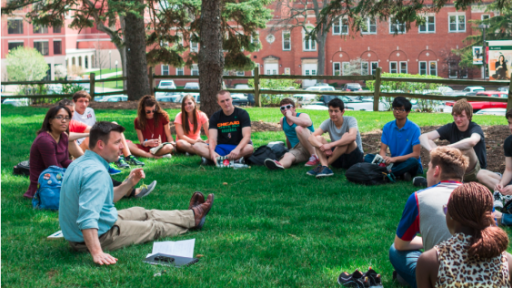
138	225
471	175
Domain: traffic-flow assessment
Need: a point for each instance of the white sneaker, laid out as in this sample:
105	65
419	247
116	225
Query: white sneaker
167	156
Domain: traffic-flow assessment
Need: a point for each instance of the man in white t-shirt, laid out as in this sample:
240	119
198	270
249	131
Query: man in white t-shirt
345	148
83	113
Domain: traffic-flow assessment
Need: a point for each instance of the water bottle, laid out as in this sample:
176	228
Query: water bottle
240	166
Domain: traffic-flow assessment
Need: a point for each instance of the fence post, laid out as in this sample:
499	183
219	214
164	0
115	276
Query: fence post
92	81
509	102
376	90
257	100
151	82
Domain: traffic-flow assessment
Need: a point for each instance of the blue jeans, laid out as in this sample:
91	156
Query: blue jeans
404	263
410	165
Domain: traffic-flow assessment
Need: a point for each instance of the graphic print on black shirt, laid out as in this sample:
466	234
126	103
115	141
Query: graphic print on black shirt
229	128
451	133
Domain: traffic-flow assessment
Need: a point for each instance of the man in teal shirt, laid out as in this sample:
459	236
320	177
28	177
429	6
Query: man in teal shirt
87	215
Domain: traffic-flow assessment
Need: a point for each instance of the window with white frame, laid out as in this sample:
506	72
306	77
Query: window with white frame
255	39
40	29
180	71
195	70
457	23
453	70
429	26
336	69
371	26
396	27
308	44
374	66
287	41
240	73
423	68
346	68
43	48
485	16
403	67
15	26
165	69
393	67
14	44
287	71
433	68
340	27
194	46
364	68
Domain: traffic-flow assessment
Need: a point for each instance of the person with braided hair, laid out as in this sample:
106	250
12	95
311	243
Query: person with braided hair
423	212
475	256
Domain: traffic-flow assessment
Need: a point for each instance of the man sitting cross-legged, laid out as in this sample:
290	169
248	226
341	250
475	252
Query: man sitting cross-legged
402	138
87	215
423	212
297	128
230	132
462	134
345	148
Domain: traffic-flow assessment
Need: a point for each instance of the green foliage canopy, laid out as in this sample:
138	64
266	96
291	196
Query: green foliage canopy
26	64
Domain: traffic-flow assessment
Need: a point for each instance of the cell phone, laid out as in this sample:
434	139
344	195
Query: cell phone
170	260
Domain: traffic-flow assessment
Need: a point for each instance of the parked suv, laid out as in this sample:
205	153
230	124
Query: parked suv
352	87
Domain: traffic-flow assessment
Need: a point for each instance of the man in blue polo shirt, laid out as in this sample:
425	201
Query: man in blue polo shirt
402	138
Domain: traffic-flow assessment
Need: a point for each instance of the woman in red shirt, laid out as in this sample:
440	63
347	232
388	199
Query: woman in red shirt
153	129
188	125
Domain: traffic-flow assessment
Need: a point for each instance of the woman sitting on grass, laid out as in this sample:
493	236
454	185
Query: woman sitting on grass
50	148
475	256
153	130
188	125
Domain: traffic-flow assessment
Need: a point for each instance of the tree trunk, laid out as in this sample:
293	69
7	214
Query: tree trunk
321	39
136	64
211	58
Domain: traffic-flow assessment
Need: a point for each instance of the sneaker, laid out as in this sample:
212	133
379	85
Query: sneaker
407	176
121	163
419	181
326	172
273	164
355	279
239	161
112	170
315	171
372	278
313	161
134	161
145	190
169	156
498	201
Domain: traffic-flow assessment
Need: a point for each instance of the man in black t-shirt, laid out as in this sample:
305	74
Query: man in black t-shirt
495	182
230	132
463	134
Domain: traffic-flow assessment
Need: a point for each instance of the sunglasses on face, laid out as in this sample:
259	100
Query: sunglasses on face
286	107
150	111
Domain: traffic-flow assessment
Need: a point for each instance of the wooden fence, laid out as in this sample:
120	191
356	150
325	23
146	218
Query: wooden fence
257	91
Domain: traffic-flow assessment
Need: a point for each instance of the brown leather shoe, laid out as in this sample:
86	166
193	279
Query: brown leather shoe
202	210
197	199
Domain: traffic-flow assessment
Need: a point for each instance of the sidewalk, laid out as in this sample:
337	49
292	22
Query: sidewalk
108	75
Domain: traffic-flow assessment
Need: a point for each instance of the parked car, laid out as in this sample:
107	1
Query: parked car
166	84
173	97
473	89
503	89
239	99
114	98
304	98
352	87
479	105
192	86
358	105
315	105
321	88
17	102
250	96
54	88
492	111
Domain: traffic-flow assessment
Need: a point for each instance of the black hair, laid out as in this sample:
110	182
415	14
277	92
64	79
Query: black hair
66	102
47	127
336	103
402	102
101	131
509	114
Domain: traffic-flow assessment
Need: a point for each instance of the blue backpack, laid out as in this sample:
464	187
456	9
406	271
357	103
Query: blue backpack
48	192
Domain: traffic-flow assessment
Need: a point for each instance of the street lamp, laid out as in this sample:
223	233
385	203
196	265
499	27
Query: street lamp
116	73
483	27
110	58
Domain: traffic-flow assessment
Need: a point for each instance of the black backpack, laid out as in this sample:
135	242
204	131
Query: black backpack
263	152
23	168
368	174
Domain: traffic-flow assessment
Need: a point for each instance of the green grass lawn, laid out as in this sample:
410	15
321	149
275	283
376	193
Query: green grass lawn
266	229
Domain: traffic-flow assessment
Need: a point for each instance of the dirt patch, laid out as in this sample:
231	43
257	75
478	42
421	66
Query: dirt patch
260	126
494	139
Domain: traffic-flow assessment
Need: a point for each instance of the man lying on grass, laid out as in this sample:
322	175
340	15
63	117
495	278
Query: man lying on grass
402	138
423	212
88	217
345	148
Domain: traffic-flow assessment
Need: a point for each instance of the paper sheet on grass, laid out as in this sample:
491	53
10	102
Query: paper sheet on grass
183	248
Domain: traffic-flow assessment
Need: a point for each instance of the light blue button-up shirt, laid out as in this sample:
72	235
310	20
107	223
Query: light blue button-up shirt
86	198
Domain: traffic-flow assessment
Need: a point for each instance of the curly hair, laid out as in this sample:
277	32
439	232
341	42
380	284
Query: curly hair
149	101
451	160
463	105
471	205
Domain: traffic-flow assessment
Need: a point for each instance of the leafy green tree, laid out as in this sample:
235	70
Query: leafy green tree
26	64
274	84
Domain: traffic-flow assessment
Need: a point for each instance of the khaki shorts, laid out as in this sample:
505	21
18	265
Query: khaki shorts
471	176
300	152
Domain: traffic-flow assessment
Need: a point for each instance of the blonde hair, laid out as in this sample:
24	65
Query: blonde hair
463	105
451	160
